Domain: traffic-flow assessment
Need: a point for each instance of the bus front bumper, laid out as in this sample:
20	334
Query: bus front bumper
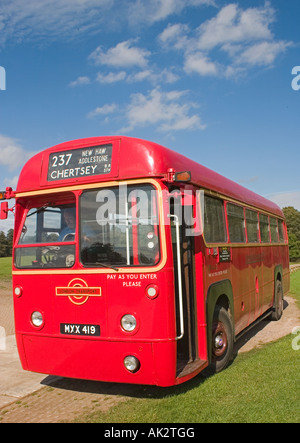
100	360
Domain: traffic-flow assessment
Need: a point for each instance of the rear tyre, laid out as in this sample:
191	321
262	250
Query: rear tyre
278	302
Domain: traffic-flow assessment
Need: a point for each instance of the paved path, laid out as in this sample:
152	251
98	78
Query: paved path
14	382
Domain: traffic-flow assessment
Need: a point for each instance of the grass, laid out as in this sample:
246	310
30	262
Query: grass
295	286
5	268
261	386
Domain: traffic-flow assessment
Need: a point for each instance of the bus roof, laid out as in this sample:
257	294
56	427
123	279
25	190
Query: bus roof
124	158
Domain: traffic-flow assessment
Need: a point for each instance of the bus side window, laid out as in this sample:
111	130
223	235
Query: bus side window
274	230
281	231
264	228
214	220
236	223
252	226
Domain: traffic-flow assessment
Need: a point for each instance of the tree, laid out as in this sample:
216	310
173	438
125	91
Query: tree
9	238
3	245
292	216
6	243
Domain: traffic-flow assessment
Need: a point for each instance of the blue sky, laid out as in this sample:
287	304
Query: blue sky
211	79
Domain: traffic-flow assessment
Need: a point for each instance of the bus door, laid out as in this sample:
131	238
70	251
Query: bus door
181	213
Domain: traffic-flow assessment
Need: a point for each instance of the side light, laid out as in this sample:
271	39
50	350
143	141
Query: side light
152	291
131	363
184	176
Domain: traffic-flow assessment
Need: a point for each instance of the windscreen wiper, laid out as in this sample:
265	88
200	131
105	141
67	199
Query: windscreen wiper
42	208
103	265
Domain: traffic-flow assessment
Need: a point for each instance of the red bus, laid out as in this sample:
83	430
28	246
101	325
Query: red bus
134	264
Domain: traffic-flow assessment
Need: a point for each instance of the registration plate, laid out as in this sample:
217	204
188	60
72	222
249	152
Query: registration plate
80	329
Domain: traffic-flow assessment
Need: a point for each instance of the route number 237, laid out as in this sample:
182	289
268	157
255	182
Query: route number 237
61	160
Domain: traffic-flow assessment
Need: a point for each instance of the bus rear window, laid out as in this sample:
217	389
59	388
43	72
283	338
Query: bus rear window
119	227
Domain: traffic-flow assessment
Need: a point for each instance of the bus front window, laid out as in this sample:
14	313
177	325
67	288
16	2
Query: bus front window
45	227
119	227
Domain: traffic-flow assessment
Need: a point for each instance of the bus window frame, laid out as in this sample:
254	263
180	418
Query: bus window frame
257	226
159	226
238	205
245	207
226	235
262	241
277	232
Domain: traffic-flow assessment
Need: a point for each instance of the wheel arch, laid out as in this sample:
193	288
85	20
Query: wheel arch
218	294
278	272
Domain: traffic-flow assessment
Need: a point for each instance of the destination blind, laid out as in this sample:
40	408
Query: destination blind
79	163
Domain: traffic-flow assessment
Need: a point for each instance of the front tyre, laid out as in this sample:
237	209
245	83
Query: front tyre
222	341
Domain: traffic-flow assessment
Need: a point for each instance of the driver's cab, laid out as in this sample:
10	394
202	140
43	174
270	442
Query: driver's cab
47	237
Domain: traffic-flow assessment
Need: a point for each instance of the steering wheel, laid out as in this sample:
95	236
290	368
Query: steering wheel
69	237
49	255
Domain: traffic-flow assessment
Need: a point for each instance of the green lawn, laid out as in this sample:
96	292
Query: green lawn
5	267
295	286
259	386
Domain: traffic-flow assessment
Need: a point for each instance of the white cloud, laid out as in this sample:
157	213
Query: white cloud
163	76
56	19
104	110
165	110
152	11
80	81
111	77
175	36
233	25
51	19
12	155
199	63
244	35
124	54
284	199
262	54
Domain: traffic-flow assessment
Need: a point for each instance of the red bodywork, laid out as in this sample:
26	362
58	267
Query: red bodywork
153	342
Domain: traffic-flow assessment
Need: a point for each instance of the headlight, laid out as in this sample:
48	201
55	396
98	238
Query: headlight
131	363
128	323
37	319
18	291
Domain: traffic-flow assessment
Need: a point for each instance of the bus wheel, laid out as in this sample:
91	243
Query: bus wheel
278	302
222	339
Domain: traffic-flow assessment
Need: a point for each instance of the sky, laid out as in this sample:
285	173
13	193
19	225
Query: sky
218	81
